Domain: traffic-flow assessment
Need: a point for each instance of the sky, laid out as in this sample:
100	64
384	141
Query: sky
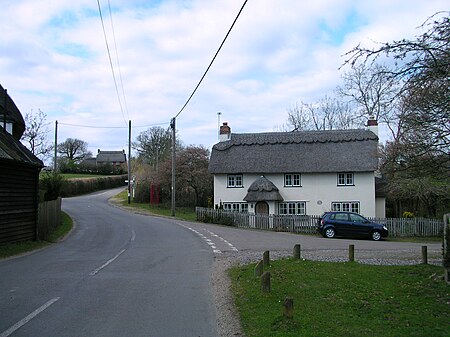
53	57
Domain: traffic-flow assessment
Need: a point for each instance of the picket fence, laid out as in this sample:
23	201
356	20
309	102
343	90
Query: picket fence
307	224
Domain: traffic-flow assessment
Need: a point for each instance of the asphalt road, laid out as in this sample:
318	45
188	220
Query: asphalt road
117	274
125	274
235	241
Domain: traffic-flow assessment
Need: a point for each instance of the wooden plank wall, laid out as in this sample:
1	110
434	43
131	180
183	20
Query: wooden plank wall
18	202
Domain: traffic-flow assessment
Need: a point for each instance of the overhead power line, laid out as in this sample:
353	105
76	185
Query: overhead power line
212	61
112	127
118	62
110	61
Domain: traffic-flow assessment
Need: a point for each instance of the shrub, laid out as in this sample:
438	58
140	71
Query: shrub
407	214
52	184
88	185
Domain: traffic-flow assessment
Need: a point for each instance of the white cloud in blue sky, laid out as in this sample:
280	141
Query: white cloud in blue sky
53	57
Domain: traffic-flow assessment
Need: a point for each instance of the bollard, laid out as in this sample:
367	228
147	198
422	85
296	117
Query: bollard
266	258
259	268
288	307
424	255
351	253
265	282
297	251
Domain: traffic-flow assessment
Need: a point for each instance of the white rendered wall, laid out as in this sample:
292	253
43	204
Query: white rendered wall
318	190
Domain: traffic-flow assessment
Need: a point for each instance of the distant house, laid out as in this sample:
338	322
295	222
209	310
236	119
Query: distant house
114	158
303	172
19	177
117	159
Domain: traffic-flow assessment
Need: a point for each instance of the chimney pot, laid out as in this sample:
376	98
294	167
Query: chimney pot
225	132
372	124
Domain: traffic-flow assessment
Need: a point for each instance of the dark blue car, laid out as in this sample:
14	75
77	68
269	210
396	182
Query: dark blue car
350	224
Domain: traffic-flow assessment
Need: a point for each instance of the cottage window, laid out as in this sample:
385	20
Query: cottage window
292	180
295	207
235	207
234	180
345	206
345	179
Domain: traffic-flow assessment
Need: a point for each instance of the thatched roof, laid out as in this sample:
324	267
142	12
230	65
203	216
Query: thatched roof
301	151
262	189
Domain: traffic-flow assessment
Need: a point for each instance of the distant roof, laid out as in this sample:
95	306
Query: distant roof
300	151
111	157
13	150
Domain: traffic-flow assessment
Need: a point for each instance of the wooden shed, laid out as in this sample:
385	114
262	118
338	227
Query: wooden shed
19	177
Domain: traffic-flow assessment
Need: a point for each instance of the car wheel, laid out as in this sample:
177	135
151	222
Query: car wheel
329	233
376	236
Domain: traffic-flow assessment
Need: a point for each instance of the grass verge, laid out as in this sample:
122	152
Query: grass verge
18	248
184	213
343	299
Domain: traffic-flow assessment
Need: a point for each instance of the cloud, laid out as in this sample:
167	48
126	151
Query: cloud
279	52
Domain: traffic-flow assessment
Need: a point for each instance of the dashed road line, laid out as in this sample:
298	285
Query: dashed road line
25	320
106	263
210	242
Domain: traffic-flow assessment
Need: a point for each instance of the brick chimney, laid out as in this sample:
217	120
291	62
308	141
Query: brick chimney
372	124
225	132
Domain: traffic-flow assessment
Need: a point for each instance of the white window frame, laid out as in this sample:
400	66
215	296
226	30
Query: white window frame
292	180
346	206
292	208
235	181
346	179
236	207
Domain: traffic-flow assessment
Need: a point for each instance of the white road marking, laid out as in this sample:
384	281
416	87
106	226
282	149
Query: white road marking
25	320
106	263
209	241
133	235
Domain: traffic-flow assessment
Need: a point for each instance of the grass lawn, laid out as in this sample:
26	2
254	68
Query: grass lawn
12	249
184	213
343	299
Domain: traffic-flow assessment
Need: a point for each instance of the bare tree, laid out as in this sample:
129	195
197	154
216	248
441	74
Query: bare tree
373	91
154	145
326	114
417	161
74	150
36	134
422	66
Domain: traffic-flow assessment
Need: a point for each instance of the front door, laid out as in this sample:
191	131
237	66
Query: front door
262	208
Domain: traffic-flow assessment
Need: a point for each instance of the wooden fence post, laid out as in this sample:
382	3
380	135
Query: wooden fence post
351	253
297	251
259	268
288	307
424	255
265	282
266	258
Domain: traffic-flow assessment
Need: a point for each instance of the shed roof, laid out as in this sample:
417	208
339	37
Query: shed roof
9	109
300	151
13	150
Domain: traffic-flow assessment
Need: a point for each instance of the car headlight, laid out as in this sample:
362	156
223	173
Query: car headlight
385	228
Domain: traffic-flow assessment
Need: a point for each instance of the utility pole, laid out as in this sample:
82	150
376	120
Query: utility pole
129	161
218	125
172	125
56	147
